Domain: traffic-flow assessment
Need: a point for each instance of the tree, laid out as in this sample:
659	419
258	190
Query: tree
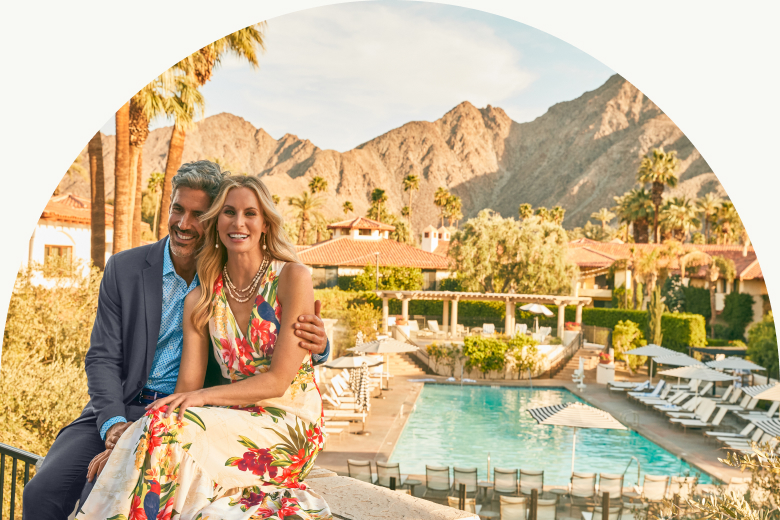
659	171
453	209
440	201
708	206
155	185
378	197
557	214
604	216
411	184
97	201
525	210
405	212
543	213
655	311
122	180
347	207
635	207
392	278
306	206
276	199
719	267
318	185
678	217
762	344
199	66
494	254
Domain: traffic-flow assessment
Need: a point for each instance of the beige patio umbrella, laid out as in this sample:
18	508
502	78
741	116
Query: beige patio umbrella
535	308
734	363
677	360
384	346
771	394
575	415
652	351
700	372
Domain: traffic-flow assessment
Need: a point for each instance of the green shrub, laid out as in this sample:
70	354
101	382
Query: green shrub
451	284
345	282
526	358
738	313
673	291
485	354
718	342
697	301
390	278
621	300
762	344
628	336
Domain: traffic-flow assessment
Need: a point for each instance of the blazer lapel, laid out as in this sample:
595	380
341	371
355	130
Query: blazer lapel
153	285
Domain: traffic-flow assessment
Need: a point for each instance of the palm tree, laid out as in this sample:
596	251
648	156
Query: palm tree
543	213
525	211
318	185
306	205
659	171
405	212
727	224
378	197
635	207
453	209
557	214
678	216
276	199
411	184
440	200
708	206
122	180
347	207
604	216
154	185
246	43
97	201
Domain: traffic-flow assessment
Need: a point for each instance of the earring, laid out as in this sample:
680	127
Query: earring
216	246
264	248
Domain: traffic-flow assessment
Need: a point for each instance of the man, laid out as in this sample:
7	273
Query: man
135	346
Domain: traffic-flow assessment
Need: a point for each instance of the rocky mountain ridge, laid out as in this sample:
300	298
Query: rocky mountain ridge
579	154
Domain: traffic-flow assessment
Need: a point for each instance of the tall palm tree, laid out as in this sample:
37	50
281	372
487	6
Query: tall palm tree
604	216
636	207
525	211
440	200
728	222
122	180
378	197
678	216
97	201
411	184
246	43
306	206
543	213
557	214
708	206
154	185
318	185
405	212
347	207
453	209
659	171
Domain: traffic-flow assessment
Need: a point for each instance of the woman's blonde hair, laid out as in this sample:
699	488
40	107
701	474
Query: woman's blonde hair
212	259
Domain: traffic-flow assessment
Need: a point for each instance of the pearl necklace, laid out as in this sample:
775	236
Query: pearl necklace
246	294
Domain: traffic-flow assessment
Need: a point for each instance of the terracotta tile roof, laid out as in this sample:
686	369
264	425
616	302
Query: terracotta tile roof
586	257
361	223
442	248
752	272
71	209
348	252
619	251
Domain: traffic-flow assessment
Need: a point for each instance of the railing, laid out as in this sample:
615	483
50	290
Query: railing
598	335
561	360
17	455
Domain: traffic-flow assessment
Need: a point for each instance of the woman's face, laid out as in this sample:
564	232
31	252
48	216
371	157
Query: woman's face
240	223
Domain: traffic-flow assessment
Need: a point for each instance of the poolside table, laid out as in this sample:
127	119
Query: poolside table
483	486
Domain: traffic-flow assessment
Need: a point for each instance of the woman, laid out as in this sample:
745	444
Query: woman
240	450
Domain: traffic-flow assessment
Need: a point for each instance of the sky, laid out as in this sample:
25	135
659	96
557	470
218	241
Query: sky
341	75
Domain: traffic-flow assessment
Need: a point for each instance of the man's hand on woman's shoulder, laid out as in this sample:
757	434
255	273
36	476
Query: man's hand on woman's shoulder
311	331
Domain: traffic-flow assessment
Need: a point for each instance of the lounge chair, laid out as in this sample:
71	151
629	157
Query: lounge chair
505	482
685	487
731	435
615	513
547	509
433	326
653	489
467	476
531	480
657	401
470	505
520	328
747	403
704	409
626	386
582	489
688	406
386	470
611	483
655	393
513	508
753	415
437	480
488	329
702	423
361	470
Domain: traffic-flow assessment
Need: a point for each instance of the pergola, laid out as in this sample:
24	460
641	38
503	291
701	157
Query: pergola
510	299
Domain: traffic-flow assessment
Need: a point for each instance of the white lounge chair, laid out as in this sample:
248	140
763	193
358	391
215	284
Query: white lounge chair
488	329
701	422
655	393
753	415
731	435
520	328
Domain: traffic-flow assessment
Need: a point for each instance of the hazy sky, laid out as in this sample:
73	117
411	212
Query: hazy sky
342	75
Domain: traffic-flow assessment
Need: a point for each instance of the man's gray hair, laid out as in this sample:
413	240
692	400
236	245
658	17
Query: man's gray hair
199	175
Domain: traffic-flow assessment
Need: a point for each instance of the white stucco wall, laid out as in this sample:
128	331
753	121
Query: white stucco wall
76	236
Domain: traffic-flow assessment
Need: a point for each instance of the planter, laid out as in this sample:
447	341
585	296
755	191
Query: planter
605	374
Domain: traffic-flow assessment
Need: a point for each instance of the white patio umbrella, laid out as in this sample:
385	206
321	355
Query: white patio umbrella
384	346
757	390
352	362
699	372
652	351
677	360
772	394
575	415
734	363
536	308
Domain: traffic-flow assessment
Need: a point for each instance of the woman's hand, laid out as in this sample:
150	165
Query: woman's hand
181	401
97	465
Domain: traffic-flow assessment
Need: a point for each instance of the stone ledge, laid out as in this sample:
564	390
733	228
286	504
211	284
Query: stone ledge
351	499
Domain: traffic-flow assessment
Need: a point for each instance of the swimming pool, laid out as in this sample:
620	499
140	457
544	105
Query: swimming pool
460	426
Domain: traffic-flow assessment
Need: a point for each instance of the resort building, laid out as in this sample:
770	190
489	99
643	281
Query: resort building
64	230
594	260
359	242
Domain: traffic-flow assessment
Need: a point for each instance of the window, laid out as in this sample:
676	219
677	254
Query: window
325	277
364	232
55	252
427	234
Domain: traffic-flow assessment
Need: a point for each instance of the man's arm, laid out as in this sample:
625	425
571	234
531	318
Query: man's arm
104	358
311	331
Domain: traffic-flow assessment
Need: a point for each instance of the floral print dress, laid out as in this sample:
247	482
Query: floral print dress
237	463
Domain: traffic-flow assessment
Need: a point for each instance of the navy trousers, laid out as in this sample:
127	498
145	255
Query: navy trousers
62	479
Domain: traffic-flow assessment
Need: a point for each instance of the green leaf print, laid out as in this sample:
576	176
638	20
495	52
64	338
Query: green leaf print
117	517
248	443
187	446
231	460
193	417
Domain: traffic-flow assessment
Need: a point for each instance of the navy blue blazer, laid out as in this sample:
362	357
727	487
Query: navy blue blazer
124	337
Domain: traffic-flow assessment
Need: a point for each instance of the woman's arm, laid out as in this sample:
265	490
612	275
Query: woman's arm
296	296
195	349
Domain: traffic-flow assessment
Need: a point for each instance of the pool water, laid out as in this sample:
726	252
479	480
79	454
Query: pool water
460	426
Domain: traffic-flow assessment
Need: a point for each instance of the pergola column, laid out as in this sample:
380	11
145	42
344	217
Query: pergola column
454	318
512	306
446	317
405	308
508	318
561	315
578	314
385	312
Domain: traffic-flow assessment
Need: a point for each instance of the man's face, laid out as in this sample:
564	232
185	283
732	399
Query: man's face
184	227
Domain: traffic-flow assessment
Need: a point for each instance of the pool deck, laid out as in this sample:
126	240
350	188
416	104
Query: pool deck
385	424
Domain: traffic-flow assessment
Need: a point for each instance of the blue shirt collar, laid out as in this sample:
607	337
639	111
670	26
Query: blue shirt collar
168	264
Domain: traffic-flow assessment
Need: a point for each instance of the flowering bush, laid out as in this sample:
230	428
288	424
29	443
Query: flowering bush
604	358
573	326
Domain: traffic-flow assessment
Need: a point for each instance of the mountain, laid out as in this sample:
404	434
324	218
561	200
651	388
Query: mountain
579	154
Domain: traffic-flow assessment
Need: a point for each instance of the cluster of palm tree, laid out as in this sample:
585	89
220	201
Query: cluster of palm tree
450	206
306	208
174	94
554	215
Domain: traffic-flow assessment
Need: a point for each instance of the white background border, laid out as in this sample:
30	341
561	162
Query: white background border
711	66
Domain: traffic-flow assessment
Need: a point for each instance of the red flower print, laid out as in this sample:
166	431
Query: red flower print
245	368
314	436
259	300
218	284
257	461
278	311
137	509
264	512
167	511
228	352
289	507
244	347
253	499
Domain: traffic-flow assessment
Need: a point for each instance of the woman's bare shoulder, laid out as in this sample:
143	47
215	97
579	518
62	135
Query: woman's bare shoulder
294	277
